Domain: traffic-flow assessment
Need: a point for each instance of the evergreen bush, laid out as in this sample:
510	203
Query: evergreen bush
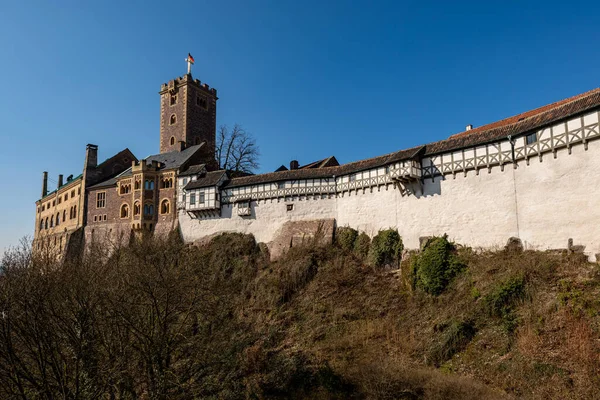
386	248
436	266
362	245
345	237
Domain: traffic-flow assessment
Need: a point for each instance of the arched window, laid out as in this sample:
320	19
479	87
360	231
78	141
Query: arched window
149	184
165	207
46	223
173	119
136	208
41	224
172	140
137	185
124	211
148	209
52	221
166	183
64	215
74	211
57	219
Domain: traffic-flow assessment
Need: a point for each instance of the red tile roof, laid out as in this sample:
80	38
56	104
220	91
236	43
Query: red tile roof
520	123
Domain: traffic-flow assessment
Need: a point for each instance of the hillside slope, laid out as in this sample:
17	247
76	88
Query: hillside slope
163	320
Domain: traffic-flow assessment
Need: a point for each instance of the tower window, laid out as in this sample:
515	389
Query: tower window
136	209
172	140
149	184
173	99
202	102
173	119
148	209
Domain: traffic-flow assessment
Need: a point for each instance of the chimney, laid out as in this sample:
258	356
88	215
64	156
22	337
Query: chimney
469	127
294	164
45	184
181	145
91	156
60	181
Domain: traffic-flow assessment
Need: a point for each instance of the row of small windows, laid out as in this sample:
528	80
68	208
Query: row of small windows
98	218
165	208
125	188
53	203
50	222
200	101
193	198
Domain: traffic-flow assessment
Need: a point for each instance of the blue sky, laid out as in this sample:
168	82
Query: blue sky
309	79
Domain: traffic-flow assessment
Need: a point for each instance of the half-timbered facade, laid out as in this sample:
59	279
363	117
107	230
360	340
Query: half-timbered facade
527	176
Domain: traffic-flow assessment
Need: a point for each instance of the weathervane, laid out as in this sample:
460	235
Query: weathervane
190	61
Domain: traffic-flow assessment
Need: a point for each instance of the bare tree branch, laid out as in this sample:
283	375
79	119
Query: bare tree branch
236	150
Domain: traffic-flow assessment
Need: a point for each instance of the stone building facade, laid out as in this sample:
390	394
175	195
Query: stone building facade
527	176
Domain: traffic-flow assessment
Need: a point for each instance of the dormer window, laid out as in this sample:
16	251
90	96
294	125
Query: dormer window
173	99
531	138
173	119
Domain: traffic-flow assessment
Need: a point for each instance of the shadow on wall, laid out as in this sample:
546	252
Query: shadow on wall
427	188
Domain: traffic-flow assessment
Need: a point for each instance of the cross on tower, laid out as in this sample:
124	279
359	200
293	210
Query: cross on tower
190	61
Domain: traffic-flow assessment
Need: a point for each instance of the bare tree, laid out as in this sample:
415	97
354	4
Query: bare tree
236	150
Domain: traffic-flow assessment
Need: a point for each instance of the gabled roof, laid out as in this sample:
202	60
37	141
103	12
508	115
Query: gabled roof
210	179
520	123
112	181
174	159
326	162
194	170
171	160
327	172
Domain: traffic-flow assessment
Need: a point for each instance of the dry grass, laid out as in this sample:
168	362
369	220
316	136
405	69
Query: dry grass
318	323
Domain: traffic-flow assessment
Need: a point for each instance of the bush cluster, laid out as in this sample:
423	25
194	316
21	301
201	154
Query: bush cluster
345	237
386	248
436	266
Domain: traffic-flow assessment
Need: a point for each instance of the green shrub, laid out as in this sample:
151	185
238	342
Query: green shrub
345	237
436	266
500	300
362	245
455	337
386	248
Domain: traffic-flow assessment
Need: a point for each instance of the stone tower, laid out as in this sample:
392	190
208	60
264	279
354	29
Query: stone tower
188	114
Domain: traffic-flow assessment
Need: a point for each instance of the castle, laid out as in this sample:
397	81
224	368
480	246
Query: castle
528	176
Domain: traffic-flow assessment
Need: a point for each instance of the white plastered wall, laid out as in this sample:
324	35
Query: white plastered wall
542	202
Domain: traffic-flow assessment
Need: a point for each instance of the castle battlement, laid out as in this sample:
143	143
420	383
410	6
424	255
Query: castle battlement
187	80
